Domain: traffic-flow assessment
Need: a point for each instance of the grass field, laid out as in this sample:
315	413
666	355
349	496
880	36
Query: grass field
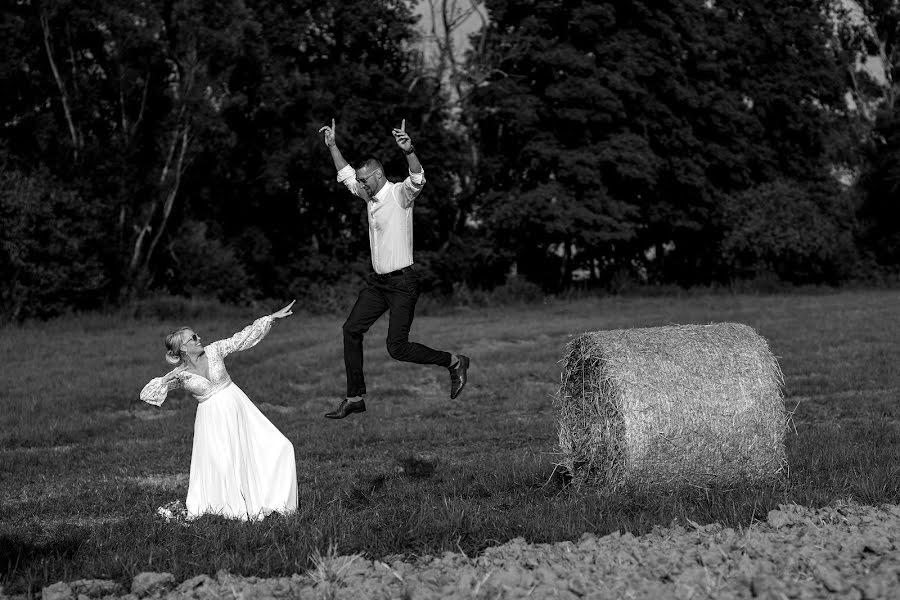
84	464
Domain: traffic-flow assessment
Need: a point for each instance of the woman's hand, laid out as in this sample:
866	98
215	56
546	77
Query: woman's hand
284	312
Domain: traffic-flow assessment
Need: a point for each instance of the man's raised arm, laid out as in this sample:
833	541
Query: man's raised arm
339	160
345	173
416	180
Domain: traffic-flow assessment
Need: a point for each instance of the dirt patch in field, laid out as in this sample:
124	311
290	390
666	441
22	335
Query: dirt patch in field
277	408
30	451
486	346
147	413
301	386
845	551
80	521
162	482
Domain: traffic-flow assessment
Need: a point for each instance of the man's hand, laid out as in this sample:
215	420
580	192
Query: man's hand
329	134
402	138
339	161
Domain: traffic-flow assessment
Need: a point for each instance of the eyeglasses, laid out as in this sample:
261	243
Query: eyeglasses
193	338
366	178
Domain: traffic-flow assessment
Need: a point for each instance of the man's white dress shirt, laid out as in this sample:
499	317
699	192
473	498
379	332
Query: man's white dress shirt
390	218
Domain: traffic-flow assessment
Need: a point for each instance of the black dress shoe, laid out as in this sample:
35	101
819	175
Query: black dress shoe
347	407
458	376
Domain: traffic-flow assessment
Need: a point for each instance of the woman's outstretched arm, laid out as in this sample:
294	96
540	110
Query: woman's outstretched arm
252	334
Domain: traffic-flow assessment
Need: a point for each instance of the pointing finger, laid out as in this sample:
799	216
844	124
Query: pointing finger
403	125
332	124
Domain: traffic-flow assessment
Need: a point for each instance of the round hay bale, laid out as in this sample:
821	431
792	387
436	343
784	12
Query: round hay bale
666	406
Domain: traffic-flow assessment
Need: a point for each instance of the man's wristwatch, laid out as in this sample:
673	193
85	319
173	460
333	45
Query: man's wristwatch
412	150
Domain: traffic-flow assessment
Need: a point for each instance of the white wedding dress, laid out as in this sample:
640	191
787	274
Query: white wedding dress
242	467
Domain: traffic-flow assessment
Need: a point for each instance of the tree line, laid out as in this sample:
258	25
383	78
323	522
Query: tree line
171	145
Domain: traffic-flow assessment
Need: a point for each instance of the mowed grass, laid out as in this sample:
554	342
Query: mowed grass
84	464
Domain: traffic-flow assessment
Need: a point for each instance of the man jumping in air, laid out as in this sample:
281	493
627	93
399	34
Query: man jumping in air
394	284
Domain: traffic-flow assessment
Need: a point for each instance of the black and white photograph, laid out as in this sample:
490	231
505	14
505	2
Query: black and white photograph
450	299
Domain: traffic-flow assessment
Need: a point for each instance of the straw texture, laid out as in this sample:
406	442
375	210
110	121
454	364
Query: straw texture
667	406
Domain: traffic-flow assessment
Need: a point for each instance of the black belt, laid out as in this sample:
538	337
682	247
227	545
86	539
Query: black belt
393	273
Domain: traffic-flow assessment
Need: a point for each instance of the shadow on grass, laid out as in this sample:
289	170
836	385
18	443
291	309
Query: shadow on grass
27	563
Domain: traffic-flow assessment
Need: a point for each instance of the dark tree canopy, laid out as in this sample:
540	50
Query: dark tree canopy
614	129
172	146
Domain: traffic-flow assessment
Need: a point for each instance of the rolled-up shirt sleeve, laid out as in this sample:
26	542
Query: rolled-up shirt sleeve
412	186
347	176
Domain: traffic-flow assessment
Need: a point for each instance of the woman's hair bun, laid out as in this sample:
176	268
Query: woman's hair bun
173	346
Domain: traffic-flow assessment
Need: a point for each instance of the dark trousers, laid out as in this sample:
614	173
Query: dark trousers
398	294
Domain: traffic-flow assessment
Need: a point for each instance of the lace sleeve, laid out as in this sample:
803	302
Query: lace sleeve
246	338
156	391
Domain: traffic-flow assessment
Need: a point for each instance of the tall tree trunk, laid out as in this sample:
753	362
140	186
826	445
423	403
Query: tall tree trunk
447	17
170	195
73	132
154	226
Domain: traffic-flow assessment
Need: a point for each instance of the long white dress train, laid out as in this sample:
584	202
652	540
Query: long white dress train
242	467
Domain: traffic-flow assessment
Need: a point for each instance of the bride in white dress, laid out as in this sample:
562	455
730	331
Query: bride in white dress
242	467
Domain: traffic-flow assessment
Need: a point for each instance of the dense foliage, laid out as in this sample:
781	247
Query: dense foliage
172	145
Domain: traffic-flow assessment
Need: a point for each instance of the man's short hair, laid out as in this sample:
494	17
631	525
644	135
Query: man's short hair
372	164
